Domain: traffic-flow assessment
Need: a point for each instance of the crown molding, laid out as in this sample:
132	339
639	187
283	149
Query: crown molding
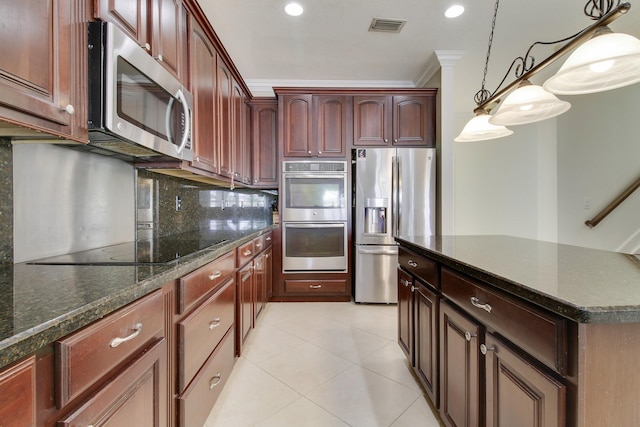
264	87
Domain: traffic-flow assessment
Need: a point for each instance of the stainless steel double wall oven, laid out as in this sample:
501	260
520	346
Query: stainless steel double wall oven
314	216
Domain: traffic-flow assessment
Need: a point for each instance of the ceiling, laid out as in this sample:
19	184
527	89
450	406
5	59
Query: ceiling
330	45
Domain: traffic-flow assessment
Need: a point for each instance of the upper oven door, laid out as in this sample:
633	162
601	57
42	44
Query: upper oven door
134	97
314	197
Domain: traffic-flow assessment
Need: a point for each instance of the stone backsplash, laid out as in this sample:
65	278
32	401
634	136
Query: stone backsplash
6	202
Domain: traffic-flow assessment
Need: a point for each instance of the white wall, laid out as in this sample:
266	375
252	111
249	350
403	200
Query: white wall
598	157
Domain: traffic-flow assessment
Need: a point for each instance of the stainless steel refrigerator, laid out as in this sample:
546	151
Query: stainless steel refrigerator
395	195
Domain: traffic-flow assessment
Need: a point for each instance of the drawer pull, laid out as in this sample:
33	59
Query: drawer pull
268	239
215	275
246	253
258	245
214	323
468	335
484	349
412	263
476	303
117	341
213	382
315	286
414	288
404	282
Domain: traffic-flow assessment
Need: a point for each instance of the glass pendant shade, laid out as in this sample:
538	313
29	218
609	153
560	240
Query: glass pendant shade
607	61
527	104
479	129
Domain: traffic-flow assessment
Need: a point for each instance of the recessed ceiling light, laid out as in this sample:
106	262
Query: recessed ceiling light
454	11
293	9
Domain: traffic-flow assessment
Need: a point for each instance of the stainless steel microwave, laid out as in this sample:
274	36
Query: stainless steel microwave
136	107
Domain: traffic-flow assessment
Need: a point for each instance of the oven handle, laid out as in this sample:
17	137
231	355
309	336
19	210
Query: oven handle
314	225
392	251
314	176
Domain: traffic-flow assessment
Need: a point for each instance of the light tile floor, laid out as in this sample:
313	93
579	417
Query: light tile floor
323	364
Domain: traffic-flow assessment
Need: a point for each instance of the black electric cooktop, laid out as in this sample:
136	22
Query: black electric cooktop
160	250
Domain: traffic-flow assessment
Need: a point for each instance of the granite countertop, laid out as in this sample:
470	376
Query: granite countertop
581	284
42	303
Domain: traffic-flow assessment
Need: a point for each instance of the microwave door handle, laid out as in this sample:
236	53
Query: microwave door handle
187	130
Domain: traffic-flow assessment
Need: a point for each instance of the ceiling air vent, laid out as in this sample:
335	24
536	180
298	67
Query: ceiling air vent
386	25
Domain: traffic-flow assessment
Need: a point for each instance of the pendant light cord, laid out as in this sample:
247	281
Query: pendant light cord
482	95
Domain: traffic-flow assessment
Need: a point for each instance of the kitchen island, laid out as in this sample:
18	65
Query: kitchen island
546	334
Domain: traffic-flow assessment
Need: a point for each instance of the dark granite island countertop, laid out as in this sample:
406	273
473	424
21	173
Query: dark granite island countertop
42	303
581	284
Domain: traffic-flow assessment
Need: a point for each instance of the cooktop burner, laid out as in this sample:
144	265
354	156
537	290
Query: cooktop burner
161	250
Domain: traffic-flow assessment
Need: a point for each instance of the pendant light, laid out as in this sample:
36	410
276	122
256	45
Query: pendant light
480	129
527	104
608	61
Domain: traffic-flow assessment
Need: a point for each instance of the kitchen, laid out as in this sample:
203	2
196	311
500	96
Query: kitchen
561	162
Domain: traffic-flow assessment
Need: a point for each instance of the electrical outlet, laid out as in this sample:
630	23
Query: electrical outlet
178	203
587	203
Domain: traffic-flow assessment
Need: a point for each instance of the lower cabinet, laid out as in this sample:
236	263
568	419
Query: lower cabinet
19	382
136	396
460	395
483	357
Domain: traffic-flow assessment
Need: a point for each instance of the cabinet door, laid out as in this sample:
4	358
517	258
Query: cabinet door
332	117
169	35
203	89
372	120
135	397
259	284
43	67
426	339
268	273
241	151
405	314
414	120
18	382
225	117
264	118
244	308
129	15
297	126
460	395
517	392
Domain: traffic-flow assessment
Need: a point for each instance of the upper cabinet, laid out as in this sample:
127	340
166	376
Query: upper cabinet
315	125
164	36
205	108
225	117
395	120
264	142
43	69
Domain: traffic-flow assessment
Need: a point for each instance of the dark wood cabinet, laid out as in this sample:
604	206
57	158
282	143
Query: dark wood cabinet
203	66
158	26
517	391
296	124
244	311
405	314
461	399
264	142
260	284
19	382
224	102
240	139
426	333
394	120
43	69
135	396
332	119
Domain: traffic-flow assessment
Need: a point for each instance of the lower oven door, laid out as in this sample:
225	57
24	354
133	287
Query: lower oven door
314	247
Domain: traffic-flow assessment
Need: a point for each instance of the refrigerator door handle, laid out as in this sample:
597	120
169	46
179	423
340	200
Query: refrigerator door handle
367	251
395	196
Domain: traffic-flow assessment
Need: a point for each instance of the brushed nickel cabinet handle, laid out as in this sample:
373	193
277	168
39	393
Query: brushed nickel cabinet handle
146	47
69	109
484	349
215	381
468	335
412	263
268	239
476	303
117	341
159	58
258	245
404	282
215	275
214	323
315	286
414	288
247	252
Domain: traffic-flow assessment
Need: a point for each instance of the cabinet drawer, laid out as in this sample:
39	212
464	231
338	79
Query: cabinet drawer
197	401
244	253
541	334
419	266
315	286
259	243
202	330
268	239
18	382
195	285
91	353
